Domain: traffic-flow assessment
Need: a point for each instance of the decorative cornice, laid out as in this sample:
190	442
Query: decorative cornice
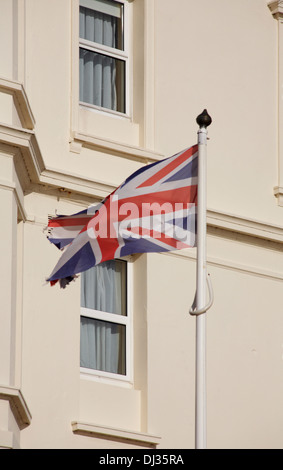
17	404
276	8
77	184
25	141
17	90
16	139
32	170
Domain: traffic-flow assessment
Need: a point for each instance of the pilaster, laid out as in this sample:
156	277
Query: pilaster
14	413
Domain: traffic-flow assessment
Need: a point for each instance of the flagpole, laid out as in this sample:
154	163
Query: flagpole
203	120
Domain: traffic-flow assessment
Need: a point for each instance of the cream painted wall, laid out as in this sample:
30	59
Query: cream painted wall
48	66
212	54
221	56
245	362
7	38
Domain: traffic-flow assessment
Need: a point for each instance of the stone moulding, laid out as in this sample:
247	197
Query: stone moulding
276	8
103	432
22	105
18	405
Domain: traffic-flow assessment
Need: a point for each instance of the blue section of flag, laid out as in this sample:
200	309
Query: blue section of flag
190	169
59	242
78	263
132	246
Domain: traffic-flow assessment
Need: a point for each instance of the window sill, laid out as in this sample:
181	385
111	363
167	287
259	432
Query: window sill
119	149
105	111
115	434
106	378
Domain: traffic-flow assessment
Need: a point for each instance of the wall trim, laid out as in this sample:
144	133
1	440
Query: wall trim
190	253
103	432
18	405
76	184
245	226
23	108
33	170
276	8
110	146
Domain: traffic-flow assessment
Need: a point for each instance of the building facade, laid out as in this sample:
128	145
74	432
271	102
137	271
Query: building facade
91	91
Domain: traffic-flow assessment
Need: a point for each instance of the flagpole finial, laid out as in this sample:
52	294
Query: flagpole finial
204	120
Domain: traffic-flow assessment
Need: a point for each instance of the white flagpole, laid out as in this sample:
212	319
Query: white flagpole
203	120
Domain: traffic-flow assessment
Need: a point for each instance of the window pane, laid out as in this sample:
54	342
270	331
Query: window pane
102	80
105	6
102	28
104	287
103	346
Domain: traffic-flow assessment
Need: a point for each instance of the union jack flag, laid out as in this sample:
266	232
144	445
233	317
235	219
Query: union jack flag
154	210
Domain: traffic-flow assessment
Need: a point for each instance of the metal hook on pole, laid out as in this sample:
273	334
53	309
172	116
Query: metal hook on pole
193	310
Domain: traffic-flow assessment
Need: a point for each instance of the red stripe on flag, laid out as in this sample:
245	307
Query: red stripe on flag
186	195
171	166
71	222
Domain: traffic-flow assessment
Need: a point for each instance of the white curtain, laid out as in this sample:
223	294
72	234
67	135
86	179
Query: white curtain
98	71
103	346
103	288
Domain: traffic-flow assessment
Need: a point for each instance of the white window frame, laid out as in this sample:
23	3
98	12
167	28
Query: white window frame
116	54
126	320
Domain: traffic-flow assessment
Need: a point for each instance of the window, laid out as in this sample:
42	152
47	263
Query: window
102	55
105	321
